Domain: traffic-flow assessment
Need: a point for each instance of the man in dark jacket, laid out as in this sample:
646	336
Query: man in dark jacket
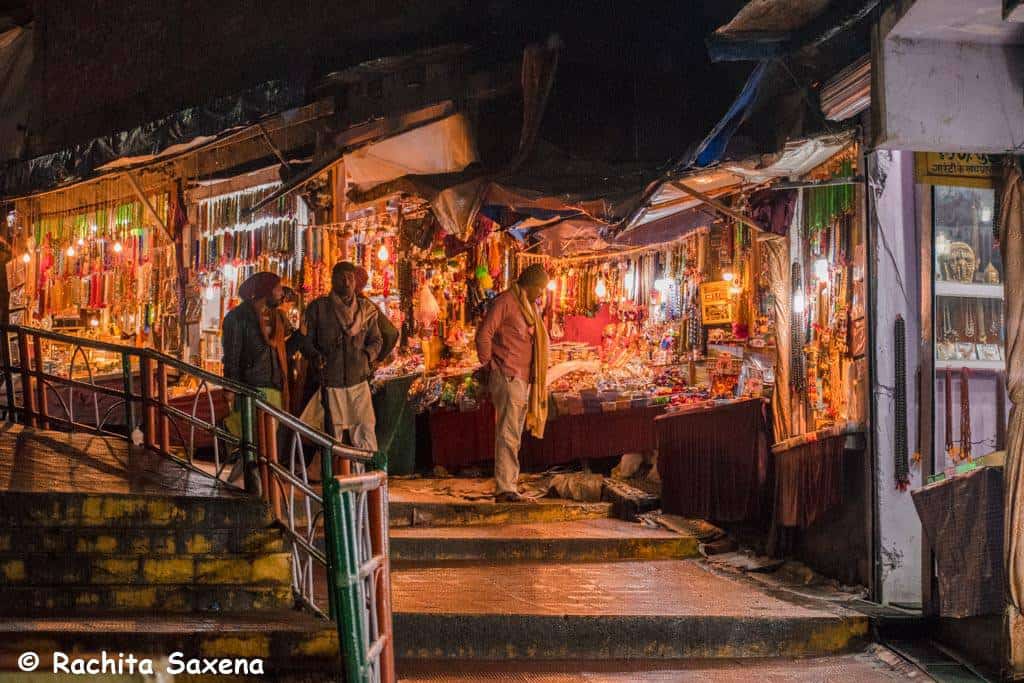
254	335
343	337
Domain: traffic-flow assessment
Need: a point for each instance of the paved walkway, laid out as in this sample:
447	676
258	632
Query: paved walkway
859	668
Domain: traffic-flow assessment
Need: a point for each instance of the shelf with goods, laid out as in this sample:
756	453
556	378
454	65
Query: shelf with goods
101	267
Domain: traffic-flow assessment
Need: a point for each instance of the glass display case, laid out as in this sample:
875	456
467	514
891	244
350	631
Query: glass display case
969	324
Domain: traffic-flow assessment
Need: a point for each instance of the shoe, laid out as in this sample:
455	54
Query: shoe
509	497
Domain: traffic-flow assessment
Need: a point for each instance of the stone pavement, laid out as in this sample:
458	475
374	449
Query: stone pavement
856	668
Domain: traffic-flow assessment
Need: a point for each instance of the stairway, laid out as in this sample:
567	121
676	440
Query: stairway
104	548
487	589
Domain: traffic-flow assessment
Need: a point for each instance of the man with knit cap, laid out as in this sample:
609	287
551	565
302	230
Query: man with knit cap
255	335
512	344
342	335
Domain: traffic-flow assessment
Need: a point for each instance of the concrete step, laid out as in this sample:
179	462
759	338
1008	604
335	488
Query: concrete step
163	598
459	502
44	569
585	540
286	640
65	510
669	609
416	514
142	540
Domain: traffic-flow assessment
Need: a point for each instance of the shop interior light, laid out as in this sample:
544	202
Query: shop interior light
71	251
552	285
118	247
93	322
727	275
382	253
81	242
986	214
821	270
735	290
26	258
798	302
600	289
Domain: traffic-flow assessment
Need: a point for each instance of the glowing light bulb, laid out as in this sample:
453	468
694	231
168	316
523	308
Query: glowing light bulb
727	275
81	242
600	289
821	270
382	253
94	227
552	285
93	322
118	247
26	258
71	251
798	302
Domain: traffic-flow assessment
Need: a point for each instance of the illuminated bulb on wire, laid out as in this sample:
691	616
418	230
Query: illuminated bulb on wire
551	285
118	247
71	251
727	276
798	302
600	289
26	258
382	253
81	242
93	322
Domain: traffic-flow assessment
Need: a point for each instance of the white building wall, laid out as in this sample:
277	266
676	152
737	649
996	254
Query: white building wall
895	291
944	96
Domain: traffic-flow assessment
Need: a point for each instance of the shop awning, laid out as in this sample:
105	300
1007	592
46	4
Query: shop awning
797	158
848	93
432	140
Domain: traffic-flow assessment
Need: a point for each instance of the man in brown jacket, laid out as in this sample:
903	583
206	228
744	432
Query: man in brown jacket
512	345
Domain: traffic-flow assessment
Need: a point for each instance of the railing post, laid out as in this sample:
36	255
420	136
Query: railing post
128	380
163	421
148	421
248	444
28	394
268	446
339	534
378	511
37	357
5	356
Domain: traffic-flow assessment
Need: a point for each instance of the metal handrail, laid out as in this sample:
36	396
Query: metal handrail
284	483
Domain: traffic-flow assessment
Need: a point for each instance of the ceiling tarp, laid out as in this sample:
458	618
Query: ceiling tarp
445	146
218	115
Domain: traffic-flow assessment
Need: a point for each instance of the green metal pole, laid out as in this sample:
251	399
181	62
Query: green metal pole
248	445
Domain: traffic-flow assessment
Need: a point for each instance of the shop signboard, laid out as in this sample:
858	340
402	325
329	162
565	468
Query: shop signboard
956	168
715	303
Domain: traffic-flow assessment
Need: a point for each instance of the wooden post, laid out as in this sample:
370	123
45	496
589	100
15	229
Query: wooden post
715	204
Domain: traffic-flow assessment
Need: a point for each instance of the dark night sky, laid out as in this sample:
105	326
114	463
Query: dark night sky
634	82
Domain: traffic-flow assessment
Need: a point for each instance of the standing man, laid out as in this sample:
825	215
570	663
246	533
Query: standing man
343	337
512	344
255	336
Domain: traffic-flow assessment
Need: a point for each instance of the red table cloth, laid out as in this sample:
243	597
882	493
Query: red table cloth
713	461
463	439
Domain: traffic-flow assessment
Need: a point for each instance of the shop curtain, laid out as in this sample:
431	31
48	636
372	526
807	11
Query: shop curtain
775	252
1011	242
